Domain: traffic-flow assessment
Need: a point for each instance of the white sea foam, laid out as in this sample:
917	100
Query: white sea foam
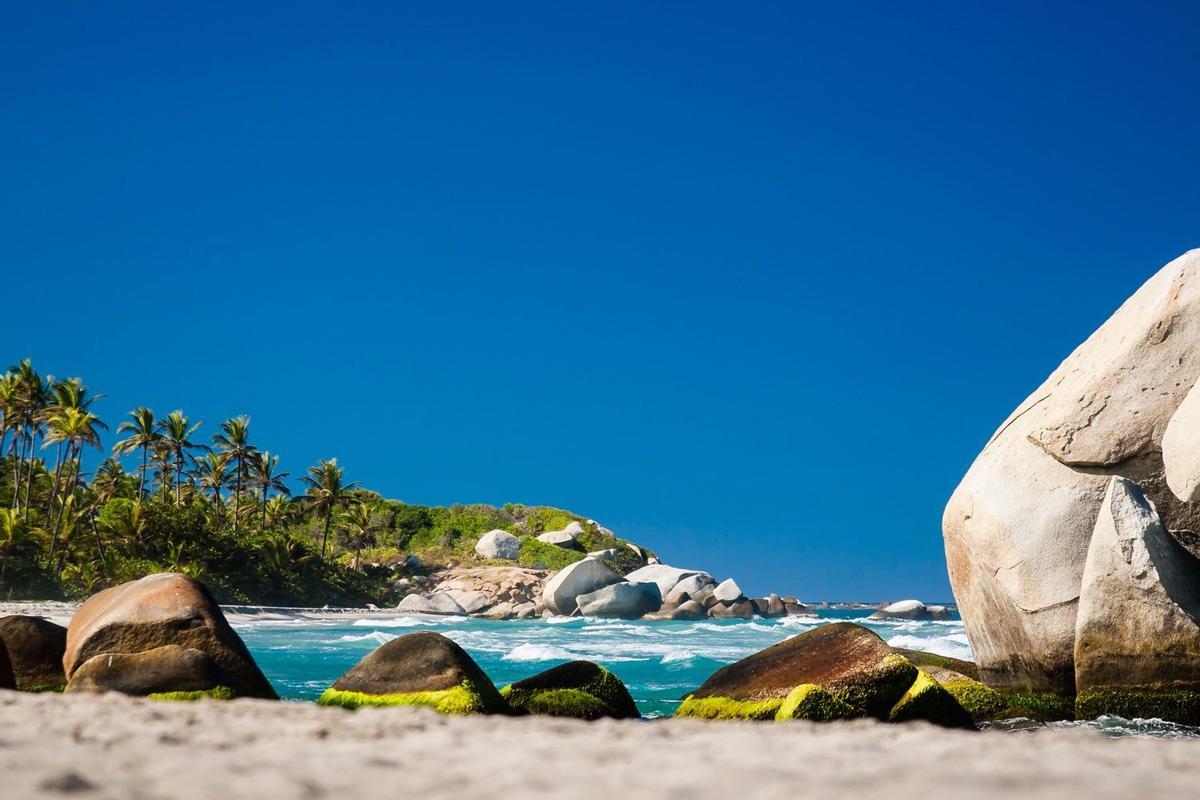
537	652
955	645
377	636
398	622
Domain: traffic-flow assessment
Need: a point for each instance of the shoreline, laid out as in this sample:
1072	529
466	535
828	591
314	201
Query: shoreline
116	746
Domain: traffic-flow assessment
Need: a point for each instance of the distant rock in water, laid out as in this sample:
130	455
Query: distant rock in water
158	610
1018	527
911	609
836	671
35	648
1137	638
577	689
561	591
418	669
622	600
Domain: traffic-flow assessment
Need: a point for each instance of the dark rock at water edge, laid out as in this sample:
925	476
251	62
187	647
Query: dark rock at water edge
577	689
167	672
424	669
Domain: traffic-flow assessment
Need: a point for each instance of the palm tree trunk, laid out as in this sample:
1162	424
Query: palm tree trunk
58	462
263	525
99	541
142	482
178	475
31	448
17	449
62	556
237	497
325	538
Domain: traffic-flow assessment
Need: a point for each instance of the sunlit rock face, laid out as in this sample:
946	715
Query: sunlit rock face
1018	526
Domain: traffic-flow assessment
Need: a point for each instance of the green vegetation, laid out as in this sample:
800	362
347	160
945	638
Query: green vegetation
570	703
462	699
927	700
811	702
1173	705
218	509
724	708
217	693
1043	706
980	701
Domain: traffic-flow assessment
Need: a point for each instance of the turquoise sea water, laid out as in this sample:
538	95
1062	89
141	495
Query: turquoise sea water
659	661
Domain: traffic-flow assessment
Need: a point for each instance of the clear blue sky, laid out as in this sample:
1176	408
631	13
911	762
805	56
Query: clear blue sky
750	283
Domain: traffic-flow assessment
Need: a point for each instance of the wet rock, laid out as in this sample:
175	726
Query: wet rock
577	689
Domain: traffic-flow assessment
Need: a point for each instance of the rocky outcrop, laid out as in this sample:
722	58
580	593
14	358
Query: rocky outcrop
159	610
35	648
564	538
728	591
621	600
836	671
498	544
665	576
418	669
169	672
1181	455
911	609
577	689
1137	637
1017	529
568	583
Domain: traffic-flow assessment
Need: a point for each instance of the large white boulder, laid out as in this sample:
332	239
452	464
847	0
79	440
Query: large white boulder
624	600
568	583
1138	609
728	591
665	576
1181	448
1018	526
498	544
560	538
694	587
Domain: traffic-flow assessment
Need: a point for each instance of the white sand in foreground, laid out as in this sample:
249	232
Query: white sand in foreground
116	747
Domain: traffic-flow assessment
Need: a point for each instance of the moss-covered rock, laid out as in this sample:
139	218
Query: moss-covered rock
811	702
1144	702
35	648
466	698
846	660
577	689
218	693
929	661
421	669
1041	705
927	700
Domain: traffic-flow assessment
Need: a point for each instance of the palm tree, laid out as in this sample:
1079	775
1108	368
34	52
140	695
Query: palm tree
176	433
12	533
143	433
75	428
214	475
279	511
233	438
355	522
267	479
9	412
325	492
33	394
67	394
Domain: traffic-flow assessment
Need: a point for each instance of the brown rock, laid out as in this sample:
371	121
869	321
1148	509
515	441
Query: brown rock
170	668
158	610
742	609
35	648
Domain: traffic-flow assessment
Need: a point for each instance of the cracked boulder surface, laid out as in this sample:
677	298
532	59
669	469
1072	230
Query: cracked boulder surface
1018	526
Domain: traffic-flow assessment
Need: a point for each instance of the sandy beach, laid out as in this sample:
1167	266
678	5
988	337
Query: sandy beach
112	746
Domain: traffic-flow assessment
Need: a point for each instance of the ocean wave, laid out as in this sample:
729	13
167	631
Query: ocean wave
377	636
955	645
537	652
678	654
399	622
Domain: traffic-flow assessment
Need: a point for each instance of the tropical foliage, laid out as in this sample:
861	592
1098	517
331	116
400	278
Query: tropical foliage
220	509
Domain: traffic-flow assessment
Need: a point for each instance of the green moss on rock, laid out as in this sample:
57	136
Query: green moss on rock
926	700
980	701
811	702
462	699
570	703
1043	706
886	683
1144	702
578	689
725	708
216	693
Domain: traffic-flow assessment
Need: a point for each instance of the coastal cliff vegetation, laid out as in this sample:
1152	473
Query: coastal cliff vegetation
87	503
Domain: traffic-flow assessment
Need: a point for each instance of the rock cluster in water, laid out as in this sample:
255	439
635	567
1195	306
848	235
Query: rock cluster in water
1072	541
